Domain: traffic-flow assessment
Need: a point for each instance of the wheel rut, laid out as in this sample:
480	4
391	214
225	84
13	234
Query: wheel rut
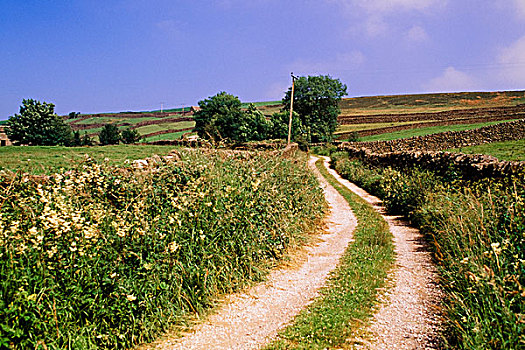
409	314
250	319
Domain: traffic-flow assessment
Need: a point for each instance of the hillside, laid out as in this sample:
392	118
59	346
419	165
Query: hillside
365	115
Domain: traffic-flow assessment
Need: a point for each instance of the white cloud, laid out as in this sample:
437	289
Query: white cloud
417	34
512	62
375	26
380	7
452	80
373	16
520	6
338	63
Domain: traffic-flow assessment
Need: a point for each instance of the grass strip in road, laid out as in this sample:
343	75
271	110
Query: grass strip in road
338	318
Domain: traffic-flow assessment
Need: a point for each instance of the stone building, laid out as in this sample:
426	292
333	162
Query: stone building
4	140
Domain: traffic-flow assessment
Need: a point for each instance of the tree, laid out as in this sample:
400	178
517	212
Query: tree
77	141
109	135
279	123
37	124
252	126
316	100
130	136
73	115
221	118
84	140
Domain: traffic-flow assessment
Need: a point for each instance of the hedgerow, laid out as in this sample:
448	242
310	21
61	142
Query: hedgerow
477	231
106	257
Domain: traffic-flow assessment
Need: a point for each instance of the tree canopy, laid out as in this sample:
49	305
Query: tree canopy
38	125
109	135
316	101
130	136
221	118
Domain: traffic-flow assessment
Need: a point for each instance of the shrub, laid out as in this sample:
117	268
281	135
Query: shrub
109	135
38	125
477	230
102	257
130	136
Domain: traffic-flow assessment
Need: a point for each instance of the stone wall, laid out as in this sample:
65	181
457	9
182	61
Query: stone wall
509	131
4	140
468	166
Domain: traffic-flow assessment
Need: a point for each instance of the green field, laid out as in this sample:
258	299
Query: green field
107	258
426	131
424	103
347	128
509	150
166	137
148	129
49	159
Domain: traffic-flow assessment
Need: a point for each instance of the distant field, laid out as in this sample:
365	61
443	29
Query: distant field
41	160
343	129
510	150
168	137
396	104
357	114
425	131
143	130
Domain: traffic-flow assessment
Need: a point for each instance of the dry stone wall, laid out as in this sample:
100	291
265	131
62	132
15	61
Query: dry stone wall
509	131
424	152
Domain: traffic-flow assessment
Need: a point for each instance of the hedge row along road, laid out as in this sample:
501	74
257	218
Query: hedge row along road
407	318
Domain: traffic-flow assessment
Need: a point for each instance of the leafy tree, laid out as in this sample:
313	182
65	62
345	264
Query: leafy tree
252	126
316	100
221	118
109	135
279	123
83	140
37	124
86	140
130	136
77	141
73	115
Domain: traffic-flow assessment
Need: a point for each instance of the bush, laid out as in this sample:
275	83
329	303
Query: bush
38	125
109	135
101	257
353	137
130	136
477	230
221	118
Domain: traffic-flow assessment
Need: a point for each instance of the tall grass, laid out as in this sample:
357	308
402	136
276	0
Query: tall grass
478	235
40	160
106	257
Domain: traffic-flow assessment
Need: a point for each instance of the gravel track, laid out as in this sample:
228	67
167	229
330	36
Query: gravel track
251	319
409	315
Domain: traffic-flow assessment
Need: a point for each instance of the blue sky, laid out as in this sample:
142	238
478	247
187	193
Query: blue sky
118	55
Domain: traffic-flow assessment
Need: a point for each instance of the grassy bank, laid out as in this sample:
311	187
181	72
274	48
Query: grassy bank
102	257
509	150
336	318
41	160
426	131
478	235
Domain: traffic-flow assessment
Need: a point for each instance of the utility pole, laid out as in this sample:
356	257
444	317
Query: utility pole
291	109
